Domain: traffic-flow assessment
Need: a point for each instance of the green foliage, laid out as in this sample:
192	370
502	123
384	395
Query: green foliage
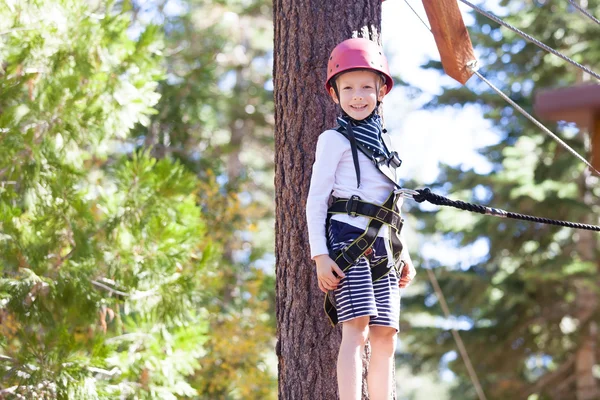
216	118
525	301
129	245
101	253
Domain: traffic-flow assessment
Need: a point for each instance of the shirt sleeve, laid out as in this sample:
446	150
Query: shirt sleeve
327	157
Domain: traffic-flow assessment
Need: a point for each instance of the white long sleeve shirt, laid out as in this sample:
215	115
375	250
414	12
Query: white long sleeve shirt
334	174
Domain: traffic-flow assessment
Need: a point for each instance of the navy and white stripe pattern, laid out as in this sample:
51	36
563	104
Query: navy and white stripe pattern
368	133
356	295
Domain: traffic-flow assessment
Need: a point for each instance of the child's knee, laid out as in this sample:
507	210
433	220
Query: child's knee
356	330
383	337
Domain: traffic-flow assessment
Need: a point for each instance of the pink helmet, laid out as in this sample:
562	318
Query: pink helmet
358	53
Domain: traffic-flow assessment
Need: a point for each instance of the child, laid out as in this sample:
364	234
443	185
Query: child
360	229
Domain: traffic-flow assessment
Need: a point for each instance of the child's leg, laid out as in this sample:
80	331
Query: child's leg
349	364
383	346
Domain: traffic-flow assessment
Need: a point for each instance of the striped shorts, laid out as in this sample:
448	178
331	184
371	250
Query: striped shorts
356	295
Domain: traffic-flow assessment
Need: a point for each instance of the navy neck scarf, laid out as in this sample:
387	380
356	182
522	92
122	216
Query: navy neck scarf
367	132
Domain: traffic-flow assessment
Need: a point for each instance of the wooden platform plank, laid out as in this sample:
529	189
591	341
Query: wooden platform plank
579	104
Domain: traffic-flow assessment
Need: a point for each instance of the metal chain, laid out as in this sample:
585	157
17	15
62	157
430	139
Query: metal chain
531	38
584	11
473	67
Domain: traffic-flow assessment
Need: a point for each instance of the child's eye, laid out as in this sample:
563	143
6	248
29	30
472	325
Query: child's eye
346	88
368	87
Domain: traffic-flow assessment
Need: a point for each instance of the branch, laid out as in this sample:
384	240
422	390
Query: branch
16	30
109	289
6	358
550	377
113	372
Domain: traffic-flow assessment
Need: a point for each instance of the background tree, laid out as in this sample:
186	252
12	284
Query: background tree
216	118
112	285
532	303
307	345
100	253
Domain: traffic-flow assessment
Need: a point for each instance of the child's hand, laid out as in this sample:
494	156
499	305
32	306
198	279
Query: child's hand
325	269
407	274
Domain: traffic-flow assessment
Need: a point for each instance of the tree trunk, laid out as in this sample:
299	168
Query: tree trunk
305	33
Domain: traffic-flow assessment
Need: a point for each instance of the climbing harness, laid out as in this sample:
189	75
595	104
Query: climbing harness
363	245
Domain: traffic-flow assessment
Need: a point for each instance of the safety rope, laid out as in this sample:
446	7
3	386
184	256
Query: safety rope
530	38
421	195
584	11
459	343
474	68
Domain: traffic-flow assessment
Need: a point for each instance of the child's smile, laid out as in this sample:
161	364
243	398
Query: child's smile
359	92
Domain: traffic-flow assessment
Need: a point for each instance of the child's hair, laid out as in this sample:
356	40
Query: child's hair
357	54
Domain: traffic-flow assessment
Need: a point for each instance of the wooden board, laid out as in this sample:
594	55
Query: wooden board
595	134
573	104
579	104
451	37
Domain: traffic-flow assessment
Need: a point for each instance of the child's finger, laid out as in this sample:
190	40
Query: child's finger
321	288
338	271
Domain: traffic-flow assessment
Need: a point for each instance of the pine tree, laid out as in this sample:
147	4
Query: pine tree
102	248
215	117
533	301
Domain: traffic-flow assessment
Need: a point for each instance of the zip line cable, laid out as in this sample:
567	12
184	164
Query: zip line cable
584	11
475	69
418	16
459	343
530	38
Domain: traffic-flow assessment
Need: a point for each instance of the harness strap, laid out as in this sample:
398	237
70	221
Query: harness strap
362	246
355	206
353	146
387	166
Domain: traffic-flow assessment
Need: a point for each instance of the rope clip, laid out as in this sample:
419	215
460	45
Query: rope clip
406	193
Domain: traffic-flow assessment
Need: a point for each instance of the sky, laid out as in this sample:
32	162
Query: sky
448	135
425	138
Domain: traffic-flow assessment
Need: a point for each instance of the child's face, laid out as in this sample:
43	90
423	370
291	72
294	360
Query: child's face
358	93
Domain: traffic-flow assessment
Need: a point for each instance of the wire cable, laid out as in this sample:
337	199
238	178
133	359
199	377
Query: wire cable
584	11
418	16
530	38
459	343
474	68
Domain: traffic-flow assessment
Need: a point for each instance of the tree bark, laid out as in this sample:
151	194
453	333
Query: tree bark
305	33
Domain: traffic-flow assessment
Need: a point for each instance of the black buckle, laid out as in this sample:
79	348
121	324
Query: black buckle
352	205
345	256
